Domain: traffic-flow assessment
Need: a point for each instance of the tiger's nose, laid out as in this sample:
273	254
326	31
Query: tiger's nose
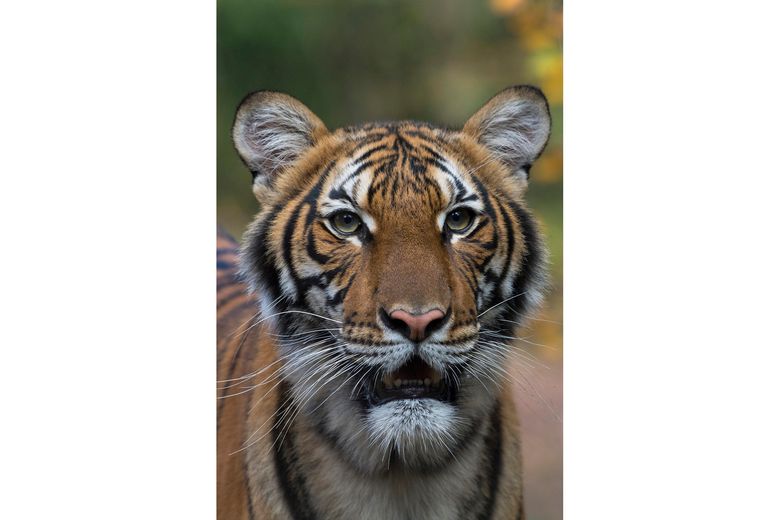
415	327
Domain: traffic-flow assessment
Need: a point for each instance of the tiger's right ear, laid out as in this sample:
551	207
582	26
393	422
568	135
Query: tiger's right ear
271	131
514	126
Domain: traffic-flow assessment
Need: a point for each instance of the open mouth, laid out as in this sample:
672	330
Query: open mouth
414	380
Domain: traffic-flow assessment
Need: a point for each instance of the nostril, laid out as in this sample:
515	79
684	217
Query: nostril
395	324
434	325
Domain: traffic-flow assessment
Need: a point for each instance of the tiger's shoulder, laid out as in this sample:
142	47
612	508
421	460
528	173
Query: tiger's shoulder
243	348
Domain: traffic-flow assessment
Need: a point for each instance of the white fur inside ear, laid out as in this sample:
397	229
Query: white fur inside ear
271	136
516	132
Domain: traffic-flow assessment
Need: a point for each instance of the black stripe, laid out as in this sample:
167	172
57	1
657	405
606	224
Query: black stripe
371	151
287	240
249	507
424	136
338	297
311	247
247	410
436	155
440	165
490	210
225	298
377	134
510	235
289	230
340	194
362	168
460	197
529	268
494	448
260	255
485	197
291	476
232	370
482	223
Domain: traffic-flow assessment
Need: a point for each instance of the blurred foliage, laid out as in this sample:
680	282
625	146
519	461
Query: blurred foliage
352	61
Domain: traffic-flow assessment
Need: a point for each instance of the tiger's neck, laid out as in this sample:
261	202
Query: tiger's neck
317	482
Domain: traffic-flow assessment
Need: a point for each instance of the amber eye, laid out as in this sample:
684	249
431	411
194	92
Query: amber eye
346	222
459	220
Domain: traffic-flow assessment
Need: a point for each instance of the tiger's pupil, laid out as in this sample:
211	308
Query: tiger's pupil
346	222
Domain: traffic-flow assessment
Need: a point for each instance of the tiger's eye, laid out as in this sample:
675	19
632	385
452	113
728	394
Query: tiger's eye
459	219
346	222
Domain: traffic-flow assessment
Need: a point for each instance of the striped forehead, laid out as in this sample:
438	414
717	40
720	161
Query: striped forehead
355	176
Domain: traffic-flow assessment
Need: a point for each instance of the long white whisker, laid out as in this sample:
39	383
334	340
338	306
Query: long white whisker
499	303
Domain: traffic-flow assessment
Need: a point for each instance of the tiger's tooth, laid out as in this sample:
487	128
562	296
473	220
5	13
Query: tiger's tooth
427	381
397	383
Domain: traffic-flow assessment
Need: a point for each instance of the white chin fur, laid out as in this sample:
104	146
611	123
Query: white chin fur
416	429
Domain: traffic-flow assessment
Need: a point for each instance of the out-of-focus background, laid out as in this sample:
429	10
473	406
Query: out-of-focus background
352	61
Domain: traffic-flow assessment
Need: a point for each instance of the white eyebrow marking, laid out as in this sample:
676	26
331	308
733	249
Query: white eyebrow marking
355	187
459	192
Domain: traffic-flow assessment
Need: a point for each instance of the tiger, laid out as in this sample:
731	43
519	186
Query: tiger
365	321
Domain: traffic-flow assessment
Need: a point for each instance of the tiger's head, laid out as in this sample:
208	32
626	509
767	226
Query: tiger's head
393	261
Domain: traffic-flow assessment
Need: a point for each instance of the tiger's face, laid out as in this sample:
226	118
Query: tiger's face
393	261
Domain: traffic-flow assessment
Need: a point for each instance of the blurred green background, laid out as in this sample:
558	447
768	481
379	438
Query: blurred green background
352	61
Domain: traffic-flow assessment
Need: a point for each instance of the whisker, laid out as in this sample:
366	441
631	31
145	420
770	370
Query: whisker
499	303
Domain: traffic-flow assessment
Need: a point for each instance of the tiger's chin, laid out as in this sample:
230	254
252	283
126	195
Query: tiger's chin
416	433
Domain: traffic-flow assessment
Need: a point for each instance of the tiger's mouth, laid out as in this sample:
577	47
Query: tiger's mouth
414	380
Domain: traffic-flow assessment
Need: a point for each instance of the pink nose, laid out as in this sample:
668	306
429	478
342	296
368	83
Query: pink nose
416	327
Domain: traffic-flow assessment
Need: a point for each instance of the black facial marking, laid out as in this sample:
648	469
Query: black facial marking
510	239
310	199
529	268
340	194
262	262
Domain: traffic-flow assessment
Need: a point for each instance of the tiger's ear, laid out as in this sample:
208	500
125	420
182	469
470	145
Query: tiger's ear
514	126
271	131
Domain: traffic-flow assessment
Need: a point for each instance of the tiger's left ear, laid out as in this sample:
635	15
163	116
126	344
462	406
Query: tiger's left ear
272	131
514	126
